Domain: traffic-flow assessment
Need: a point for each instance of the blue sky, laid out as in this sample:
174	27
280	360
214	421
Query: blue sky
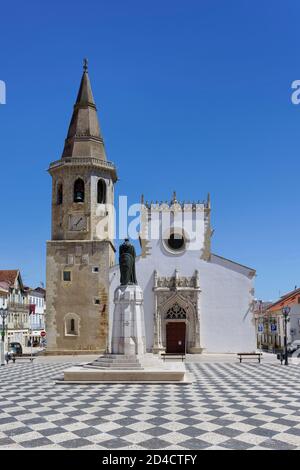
193	95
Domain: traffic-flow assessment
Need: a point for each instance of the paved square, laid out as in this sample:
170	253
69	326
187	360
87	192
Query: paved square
228	406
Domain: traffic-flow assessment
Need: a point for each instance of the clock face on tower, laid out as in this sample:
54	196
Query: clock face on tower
77	222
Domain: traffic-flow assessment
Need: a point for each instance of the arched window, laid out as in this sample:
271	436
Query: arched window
101	192
79	190
72	326
59	194
176	312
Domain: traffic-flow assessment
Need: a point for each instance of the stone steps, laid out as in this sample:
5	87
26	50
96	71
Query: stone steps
115	362
114	367
119	357
111	361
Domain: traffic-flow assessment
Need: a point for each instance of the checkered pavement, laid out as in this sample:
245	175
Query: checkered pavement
228	406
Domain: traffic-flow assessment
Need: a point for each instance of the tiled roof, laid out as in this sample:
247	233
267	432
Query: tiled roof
287	299
4	285
3	291
9	275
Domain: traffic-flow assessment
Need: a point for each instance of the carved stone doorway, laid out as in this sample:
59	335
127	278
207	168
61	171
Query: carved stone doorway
177	300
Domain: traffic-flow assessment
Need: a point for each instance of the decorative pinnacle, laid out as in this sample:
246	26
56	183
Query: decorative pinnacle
174	197
85	65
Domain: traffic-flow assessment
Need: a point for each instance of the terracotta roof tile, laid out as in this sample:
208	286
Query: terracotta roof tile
287	299
9	275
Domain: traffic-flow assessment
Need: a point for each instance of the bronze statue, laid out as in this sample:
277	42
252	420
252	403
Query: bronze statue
127	263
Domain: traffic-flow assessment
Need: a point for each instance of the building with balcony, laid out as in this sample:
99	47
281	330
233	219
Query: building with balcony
16	301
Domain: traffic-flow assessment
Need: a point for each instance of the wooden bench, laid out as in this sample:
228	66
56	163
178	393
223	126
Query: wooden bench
173	355
23	358
250	356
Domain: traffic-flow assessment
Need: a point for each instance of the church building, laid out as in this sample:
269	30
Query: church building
194	300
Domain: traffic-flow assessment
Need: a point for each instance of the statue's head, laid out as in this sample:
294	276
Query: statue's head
126	240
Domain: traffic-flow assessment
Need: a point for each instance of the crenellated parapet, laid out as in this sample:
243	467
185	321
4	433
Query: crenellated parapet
175	205
190	218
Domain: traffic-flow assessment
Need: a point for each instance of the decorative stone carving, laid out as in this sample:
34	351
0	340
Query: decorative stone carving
176	312
176	281
177	299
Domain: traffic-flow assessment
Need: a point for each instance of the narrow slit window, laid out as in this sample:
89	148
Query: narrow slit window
59	194
101	192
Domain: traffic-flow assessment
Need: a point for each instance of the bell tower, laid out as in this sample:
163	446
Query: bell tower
81	249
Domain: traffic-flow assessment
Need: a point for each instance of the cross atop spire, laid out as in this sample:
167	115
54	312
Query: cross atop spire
85	64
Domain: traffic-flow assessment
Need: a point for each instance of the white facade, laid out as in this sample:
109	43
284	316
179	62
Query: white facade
37	319
294	323
188	284
17	307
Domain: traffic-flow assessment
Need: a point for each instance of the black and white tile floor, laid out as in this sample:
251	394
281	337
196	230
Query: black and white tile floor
228	406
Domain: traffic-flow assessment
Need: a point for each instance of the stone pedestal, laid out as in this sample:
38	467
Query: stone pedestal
128	332
128	361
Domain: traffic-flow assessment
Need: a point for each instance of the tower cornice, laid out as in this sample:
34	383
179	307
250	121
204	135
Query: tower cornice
84	162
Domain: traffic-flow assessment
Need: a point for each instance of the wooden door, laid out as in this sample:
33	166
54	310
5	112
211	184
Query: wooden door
176	337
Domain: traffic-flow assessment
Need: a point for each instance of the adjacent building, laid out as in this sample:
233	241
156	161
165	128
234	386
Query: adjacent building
17	322
26	308
37	308
269	322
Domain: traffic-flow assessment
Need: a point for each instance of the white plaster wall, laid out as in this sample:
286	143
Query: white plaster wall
3	302
226	322
294	322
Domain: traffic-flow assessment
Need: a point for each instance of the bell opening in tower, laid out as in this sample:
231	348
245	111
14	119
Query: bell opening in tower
79	190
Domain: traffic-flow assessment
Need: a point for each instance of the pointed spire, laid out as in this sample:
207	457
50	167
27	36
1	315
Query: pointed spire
84	137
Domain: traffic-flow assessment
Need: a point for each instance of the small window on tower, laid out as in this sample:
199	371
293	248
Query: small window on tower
67	276
101	192
97	301
79	190
71	326
95	269
59	195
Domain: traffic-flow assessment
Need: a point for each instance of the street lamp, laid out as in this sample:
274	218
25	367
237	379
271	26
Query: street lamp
285	313
3	314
